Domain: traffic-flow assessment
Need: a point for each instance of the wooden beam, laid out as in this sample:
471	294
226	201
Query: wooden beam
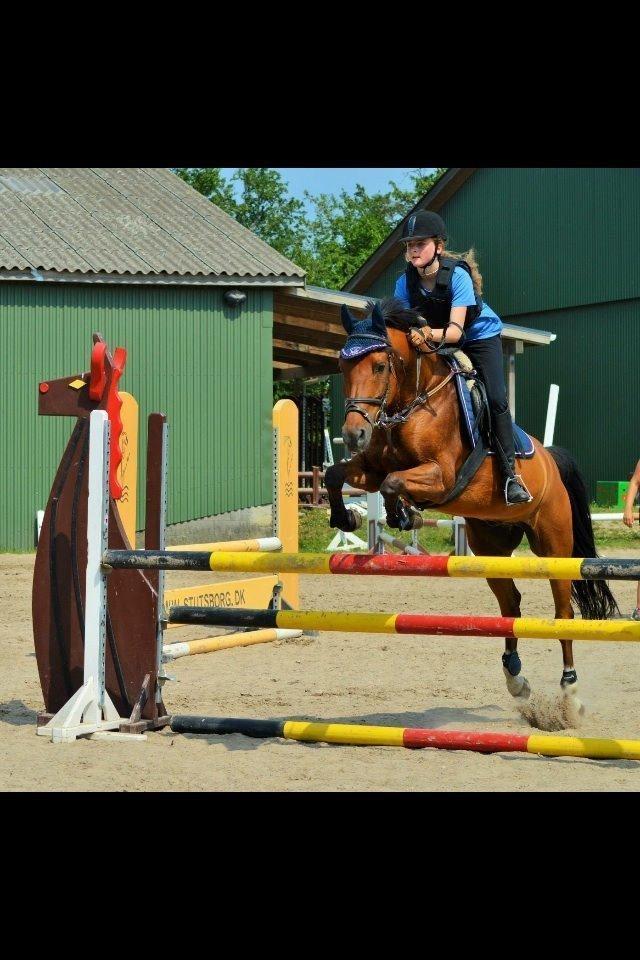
301	373
322	340
318	333
311	309
305	350
311	361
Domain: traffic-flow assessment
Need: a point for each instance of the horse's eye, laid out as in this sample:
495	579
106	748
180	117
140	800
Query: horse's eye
379	368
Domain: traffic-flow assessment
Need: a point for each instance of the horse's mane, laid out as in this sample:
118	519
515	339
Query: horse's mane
398	316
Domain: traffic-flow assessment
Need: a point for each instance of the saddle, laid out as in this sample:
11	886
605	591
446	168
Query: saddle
474	407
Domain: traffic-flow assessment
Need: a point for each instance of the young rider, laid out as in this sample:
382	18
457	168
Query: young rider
446	288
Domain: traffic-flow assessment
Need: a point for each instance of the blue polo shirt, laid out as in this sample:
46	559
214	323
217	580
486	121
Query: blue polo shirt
487	323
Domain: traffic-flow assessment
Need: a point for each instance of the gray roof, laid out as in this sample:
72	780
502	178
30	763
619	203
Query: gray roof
125	221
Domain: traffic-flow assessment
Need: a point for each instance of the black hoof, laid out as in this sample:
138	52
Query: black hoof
405	520
569	677
347	521
512	663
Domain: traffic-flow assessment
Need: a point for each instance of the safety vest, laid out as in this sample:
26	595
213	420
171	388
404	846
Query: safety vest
436	308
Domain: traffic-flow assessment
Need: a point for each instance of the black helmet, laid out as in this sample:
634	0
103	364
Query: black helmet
423	224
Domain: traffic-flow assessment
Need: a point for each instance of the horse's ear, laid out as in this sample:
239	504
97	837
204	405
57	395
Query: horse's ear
347	320
378	325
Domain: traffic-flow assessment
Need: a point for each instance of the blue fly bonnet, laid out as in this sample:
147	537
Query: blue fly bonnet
363	336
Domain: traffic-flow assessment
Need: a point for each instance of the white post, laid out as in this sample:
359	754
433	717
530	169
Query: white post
461	545
95	617
552	409
374	512
39	519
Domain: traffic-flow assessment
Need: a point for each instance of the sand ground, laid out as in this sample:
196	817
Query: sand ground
451	683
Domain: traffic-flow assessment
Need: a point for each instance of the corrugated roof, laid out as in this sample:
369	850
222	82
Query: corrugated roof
124	221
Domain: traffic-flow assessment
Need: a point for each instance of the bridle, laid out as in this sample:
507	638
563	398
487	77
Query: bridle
351	403
382	419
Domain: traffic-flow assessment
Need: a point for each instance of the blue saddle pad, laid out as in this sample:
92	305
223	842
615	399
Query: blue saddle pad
522	442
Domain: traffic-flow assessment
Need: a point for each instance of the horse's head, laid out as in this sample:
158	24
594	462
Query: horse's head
374	362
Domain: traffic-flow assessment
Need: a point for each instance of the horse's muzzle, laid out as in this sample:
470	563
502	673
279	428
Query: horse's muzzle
356	438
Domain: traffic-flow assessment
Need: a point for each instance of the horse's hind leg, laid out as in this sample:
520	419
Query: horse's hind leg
551	539
500	540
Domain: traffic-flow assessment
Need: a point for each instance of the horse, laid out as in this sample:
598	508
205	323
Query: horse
403	429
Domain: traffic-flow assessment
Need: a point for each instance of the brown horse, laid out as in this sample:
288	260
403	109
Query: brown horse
403	429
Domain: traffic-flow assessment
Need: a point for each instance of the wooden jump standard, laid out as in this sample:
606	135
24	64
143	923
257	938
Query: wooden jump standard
99	645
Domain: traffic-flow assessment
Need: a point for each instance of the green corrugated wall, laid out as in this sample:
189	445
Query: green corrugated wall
546	238
558	250
208	367
594	363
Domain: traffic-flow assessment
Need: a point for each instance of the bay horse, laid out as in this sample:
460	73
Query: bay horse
403	428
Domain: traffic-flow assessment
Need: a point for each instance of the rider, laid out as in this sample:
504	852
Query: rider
455	305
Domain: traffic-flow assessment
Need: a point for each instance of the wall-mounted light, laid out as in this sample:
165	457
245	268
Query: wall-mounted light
234	298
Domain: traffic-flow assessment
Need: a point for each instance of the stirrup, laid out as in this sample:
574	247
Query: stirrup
518	478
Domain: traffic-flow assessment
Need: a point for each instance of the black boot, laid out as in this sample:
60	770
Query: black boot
514	488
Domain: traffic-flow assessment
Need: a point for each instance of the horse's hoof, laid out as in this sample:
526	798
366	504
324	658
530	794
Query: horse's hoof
569	678
405	520
517	686
347	521
355	520
569	684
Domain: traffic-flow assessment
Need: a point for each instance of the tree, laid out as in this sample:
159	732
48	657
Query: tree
348	228
265	207
261	203
210	182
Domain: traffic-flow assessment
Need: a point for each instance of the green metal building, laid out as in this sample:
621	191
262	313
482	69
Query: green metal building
558	249
145	260
210	316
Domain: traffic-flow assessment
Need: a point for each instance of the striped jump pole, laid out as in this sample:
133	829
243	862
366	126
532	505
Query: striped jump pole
173	651
414	623
531	568
258	545
413	738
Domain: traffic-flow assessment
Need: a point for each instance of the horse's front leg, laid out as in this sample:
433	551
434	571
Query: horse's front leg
355	473
403	489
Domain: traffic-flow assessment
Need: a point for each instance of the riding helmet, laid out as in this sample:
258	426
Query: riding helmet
423	224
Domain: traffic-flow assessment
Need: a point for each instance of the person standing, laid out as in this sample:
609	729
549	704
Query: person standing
628	518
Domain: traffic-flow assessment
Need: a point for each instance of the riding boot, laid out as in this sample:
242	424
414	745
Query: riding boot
514	489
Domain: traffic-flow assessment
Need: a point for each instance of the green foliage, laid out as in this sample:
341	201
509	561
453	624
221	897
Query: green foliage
293	388
332	242
346	229
260	202
265	208
210	182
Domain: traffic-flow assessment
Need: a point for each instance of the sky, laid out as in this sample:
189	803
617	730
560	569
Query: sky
334	179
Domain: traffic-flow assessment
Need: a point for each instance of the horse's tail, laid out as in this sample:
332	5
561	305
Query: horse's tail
594	598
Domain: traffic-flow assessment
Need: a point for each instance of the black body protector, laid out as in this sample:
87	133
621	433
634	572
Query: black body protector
437	307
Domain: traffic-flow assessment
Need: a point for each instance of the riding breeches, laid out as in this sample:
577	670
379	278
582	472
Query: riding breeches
487	358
